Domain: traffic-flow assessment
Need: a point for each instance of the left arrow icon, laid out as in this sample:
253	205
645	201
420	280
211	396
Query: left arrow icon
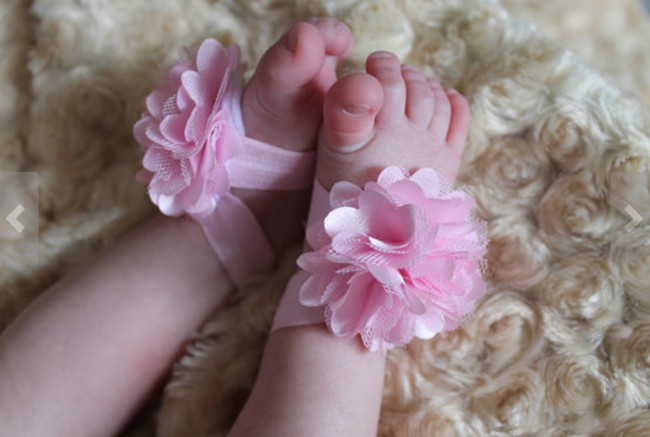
12	219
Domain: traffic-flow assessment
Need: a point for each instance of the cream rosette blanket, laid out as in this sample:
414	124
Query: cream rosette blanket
558	156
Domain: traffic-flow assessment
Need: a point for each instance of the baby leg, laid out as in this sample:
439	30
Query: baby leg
311	382
85	355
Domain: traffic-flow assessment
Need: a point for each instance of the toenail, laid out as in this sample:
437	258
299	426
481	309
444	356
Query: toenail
452	92
291	40
382	54
356	110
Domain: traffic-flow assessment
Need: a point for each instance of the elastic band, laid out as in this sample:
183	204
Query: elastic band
262	166
237	239
396	259
196	151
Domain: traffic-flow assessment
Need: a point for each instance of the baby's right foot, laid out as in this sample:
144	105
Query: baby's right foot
392	116
397	258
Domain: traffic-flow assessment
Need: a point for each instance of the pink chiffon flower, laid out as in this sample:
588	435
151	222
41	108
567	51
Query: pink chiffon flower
398	259
189	130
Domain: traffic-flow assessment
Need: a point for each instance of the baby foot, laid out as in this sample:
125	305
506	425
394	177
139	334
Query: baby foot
392	116
383	255
282	105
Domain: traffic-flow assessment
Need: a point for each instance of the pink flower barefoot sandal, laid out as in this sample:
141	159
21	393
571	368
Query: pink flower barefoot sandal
398	259
196	151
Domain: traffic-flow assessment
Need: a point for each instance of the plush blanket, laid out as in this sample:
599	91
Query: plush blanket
558	157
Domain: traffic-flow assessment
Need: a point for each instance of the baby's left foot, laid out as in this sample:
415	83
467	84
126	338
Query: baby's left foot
282	105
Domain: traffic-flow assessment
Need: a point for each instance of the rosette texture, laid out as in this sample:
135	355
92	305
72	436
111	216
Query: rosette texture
189	131
398	259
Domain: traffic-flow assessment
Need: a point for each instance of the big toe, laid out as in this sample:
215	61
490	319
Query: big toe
349	112
283	101
300	55
290	63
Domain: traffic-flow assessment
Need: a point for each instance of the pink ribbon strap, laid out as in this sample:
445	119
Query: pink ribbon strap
396	259
196	150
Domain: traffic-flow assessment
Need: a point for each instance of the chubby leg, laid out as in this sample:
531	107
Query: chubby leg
86	354
310	382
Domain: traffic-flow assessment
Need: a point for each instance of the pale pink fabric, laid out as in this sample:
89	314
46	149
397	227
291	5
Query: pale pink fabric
398	259
187	131
196	151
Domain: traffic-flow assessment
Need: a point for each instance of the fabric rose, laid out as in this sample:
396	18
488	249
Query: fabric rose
189	131
398	259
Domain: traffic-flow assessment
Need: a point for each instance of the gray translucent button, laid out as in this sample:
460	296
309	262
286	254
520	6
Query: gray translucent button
630	192
18	206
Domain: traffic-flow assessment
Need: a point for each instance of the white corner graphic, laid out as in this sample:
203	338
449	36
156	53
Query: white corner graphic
636	218
12	219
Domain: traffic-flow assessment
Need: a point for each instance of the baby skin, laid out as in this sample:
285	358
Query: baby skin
310	382
87	354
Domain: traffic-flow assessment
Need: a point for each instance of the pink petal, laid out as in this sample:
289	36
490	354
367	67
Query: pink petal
406	191
323	283
323	287
345	219
429	324
173	126
462	236
344	194
402	331
310	293
169	107
447	211
213	64
168	205
197	89
209	54
311	261
155	102
414	305
192	194
388	223
438	269
204	203
157	139
159	161
386	275
395	226
140	131
184	101
349	243
357	248
166	187
177	203
195	129
431	182
352	312
390	175
173	80
390	248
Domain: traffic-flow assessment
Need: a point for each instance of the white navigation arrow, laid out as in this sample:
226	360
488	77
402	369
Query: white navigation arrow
12	219
636	218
